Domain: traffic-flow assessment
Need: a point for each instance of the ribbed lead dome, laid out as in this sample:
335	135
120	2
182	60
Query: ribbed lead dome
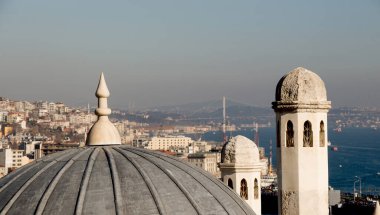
115	180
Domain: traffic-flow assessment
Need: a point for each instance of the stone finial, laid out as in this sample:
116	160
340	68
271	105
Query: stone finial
103	132
102	91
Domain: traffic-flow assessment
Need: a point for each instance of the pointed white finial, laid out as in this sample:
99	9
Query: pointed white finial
102	91
103	132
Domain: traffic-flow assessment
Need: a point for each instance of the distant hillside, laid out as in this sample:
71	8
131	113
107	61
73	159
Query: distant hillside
214	109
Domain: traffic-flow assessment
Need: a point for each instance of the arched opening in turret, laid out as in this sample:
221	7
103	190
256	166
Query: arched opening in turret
289	134
256	189
244	189
307	134
230	183
322	140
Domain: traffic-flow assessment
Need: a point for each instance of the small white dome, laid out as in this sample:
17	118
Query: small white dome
240	150
302	86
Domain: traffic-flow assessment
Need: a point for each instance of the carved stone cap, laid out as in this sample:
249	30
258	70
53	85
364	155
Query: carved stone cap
240	150
301	89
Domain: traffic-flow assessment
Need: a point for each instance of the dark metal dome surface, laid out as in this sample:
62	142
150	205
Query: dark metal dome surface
115	180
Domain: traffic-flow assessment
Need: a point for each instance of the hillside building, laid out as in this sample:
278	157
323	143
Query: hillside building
169	142
207	161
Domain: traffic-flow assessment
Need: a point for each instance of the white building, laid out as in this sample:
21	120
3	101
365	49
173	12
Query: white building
42	112
3	116
82	118
168	142
19	106
199	146
51	108
301	108
207	161
30	146
241	170
60	108
120	126
42	105
59	117
12	159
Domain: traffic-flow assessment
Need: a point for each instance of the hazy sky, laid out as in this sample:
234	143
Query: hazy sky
173	52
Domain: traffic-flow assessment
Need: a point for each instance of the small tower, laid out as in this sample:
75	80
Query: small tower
103	132
241	170
301	108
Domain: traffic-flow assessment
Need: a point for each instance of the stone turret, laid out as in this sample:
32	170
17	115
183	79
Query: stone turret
301	108
241	170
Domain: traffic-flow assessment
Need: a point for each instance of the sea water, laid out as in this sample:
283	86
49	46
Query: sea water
357	156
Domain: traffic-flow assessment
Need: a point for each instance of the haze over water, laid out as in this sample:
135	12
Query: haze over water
358	155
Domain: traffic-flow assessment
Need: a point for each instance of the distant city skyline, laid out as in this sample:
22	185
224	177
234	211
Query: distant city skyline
157	53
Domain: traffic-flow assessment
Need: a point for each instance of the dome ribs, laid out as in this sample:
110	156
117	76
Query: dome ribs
218	183
115	182
147	180
13	176
8	206
85	180
54	182
215	196
175	180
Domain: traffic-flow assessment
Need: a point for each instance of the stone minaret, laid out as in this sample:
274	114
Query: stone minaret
241	170
301	108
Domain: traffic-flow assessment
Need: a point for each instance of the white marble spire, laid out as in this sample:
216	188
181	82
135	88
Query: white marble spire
103	132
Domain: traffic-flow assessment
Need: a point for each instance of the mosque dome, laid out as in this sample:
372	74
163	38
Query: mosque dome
115	180
240	150
301	86
105	177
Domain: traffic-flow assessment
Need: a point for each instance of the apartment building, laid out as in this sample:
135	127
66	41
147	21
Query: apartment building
169	142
